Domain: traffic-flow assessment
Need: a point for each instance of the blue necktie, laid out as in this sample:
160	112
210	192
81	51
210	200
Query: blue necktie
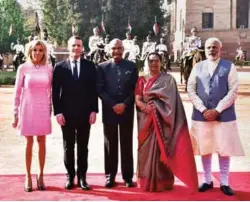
75	72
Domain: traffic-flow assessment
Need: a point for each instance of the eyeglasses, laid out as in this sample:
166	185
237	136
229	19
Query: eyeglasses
37	50
151	61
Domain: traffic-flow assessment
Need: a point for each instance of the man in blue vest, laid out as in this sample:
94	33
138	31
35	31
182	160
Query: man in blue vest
212	88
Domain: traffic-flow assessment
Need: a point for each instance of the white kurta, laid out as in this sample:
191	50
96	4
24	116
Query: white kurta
215	137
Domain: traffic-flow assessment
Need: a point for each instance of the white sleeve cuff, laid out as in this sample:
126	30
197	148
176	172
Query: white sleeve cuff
218	109
58	115
202	108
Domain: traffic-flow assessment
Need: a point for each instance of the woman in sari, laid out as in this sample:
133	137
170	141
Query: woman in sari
165	148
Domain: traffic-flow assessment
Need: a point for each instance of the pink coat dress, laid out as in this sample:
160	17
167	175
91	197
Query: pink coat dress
32	99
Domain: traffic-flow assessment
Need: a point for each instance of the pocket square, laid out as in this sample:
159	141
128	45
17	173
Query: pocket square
128	72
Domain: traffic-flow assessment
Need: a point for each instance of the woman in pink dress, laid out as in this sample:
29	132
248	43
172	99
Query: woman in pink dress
32	106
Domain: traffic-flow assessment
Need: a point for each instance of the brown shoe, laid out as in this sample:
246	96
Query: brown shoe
28	185
40	183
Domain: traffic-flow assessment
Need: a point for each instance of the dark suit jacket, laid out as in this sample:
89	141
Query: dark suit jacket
75	99
116	84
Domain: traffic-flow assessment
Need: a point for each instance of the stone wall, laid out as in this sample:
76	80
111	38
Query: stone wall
230	40
220	8
189	12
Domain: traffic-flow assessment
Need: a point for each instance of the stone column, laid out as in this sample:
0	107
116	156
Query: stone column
234	13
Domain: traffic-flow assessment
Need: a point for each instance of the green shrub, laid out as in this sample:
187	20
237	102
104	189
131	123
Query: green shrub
7	78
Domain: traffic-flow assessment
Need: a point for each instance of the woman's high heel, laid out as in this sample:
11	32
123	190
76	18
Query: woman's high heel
40	184
28	188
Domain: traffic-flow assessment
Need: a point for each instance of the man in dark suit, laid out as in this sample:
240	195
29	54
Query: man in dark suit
116	84
75	104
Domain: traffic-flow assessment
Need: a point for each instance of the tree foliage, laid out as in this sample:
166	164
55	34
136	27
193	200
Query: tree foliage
10	13
141	13
60	15
29	23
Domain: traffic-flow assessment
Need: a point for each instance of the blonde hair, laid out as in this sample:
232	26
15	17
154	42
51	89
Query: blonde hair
32	46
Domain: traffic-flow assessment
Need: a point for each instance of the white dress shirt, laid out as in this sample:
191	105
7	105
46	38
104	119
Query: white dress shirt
72	65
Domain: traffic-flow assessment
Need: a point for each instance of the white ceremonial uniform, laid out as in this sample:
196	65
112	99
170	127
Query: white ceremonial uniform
148	47
18	48
127	43
194	43
135	50
93	41
162	48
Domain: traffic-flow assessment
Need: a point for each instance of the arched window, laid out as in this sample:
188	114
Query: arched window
207	18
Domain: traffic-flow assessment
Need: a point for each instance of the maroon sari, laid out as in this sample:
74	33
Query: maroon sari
164	147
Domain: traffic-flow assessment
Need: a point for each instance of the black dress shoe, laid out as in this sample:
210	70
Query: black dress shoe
110	183
205	186
227	190
83	184
129	183
69	184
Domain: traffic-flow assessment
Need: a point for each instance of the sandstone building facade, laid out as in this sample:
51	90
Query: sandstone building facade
229	20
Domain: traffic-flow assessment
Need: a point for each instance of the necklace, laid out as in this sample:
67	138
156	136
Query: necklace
37	66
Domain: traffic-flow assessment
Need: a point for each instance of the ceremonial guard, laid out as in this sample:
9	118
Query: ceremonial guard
148	47
127	44
94	41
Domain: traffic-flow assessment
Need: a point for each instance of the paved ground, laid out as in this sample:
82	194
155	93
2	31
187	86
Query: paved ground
12	146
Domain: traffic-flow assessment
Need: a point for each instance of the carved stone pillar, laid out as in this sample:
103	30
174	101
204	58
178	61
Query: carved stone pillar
234	13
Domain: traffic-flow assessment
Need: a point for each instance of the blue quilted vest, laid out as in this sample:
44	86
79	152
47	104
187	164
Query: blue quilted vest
213	89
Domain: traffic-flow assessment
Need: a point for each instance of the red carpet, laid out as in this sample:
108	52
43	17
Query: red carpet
11	187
